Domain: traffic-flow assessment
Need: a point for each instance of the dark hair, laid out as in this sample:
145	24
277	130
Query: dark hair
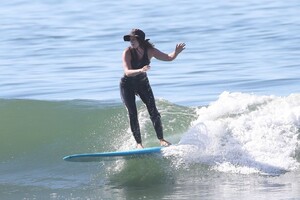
145	43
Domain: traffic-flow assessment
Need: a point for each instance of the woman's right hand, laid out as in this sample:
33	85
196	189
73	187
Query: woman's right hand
145	68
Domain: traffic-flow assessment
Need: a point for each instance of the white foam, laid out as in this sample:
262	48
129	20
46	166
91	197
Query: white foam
244	133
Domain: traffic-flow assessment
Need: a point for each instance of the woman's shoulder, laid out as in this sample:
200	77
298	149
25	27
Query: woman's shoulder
152	51
127	51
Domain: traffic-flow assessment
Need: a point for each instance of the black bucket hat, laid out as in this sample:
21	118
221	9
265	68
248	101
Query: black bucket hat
135	33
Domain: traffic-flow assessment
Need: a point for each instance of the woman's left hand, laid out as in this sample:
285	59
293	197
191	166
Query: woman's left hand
179	48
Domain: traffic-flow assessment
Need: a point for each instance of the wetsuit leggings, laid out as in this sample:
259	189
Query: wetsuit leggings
129	88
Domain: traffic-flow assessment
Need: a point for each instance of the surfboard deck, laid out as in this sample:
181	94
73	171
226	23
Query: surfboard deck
107	156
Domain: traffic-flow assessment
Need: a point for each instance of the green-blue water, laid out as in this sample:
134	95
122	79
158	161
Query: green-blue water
229	102
252	142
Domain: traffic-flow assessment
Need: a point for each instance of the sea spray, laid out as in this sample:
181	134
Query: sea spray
244	133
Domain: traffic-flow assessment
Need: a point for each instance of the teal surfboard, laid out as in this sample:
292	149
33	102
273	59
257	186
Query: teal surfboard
104	156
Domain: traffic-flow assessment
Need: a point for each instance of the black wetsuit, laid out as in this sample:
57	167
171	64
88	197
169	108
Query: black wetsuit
139	85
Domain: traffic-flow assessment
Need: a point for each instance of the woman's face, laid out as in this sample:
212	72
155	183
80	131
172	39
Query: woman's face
134	42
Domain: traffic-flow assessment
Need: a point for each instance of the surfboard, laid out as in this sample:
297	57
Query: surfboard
106	156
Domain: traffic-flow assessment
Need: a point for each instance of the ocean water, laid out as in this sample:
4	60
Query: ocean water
230	102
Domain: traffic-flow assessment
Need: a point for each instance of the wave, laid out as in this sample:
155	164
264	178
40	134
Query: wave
36	135
244	133
77	126
239	133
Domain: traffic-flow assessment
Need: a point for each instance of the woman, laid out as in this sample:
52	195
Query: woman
136	62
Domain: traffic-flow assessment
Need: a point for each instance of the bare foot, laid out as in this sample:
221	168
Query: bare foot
139	146
164	143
